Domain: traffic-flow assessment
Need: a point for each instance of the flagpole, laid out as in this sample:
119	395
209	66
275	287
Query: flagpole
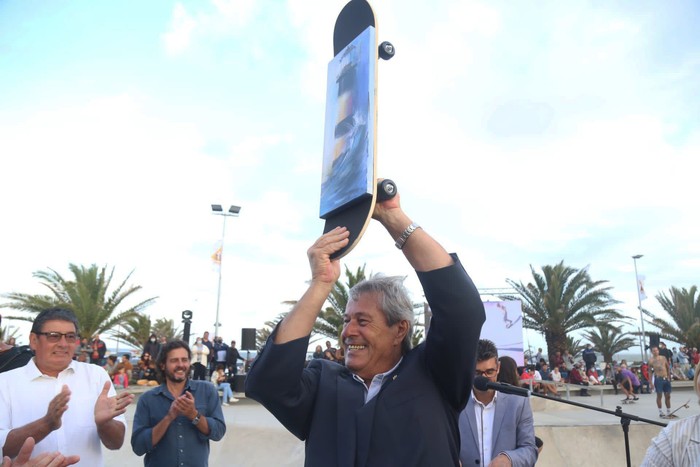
233	211
641	315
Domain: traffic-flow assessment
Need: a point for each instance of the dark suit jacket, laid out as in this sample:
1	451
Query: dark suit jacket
513	432
413	421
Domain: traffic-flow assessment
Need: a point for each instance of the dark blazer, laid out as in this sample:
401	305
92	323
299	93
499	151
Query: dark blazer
513	432
413	421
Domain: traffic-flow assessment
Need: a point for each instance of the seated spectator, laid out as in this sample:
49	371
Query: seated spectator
592	375
143	364
545	375
329	354
610	376
219	380
677	374
149	375
126	363
111	365
578	377
691	373
318	353
121	379
528	377
556	376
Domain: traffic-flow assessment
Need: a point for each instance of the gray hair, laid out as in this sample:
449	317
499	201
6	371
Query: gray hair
392	299
51	314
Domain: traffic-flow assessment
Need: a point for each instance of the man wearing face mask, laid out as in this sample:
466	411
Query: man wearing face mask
200	357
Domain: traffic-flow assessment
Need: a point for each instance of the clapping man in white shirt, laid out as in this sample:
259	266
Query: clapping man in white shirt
65	405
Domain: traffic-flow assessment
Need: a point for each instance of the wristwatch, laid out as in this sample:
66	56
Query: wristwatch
406	233
195	420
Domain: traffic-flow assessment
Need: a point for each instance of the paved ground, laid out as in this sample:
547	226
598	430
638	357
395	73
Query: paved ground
573	436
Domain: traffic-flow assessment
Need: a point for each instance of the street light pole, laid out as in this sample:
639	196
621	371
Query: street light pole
233	211
641	315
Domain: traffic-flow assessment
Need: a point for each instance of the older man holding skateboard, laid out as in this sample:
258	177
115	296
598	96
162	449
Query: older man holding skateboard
390	404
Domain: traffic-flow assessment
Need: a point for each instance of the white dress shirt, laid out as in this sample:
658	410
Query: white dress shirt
484	425
677	445
25	394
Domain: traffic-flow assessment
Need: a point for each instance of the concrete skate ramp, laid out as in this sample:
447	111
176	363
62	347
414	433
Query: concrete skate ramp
593	445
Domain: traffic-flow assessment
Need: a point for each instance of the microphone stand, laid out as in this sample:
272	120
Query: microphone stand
625	418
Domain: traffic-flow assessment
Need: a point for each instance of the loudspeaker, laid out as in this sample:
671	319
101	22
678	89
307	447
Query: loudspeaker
653	339
248	339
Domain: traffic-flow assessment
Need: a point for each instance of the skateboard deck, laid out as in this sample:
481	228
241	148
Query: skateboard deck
349	188
673	414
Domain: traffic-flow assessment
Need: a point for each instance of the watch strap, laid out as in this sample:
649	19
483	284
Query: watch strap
401	241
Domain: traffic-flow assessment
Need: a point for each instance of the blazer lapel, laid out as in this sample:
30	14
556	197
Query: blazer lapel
502	406
471	418
349	401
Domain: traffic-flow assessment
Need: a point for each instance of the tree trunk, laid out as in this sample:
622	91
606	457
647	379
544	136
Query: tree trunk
556	342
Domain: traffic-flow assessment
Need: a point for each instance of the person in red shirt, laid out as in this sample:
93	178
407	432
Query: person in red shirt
577	376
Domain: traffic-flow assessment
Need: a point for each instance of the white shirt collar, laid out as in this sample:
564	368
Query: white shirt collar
486	406
33	371
376	383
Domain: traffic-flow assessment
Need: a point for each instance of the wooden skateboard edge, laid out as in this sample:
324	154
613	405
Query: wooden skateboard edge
364	209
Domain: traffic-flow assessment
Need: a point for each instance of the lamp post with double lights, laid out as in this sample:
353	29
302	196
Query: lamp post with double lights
641	315
233	211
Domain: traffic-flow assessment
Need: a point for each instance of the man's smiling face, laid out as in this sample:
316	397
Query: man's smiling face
371	346
53	357
177	365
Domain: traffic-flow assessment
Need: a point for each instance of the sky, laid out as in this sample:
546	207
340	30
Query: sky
519	134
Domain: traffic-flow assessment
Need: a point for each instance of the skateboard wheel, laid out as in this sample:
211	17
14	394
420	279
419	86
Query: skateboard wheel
386	50
386	189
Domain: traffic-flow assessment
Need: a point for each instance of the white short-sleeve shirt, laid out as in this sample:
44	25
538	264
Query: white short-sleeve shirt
25	394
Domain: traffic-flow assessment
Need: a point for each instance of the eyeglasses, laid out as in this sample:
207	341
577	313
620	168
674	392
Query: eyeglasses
54	337
490	373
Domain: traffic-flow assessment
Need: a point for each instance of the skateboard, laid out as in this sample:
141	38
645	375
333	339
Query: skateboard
673	414
628	401
349	188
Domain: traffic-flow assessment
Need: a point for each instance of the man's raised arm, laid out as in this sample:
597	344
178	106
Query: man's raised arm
324	272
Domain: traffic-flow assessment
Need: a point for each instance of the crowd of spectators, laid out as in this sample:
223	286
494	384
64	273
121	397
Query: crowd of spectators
329	353
628	379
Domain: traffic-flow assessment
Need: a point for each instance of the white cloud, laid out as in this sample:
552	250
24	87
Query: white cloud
182	26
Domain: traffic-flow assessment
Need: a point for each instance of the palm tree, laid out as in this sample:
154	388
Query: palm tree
683	306
562	300
166	327
574	346
87	295
609	340
135	330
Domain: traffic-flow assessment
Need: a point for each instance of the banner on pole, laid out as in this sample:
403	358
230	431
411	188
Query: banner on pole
504	326
640	288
